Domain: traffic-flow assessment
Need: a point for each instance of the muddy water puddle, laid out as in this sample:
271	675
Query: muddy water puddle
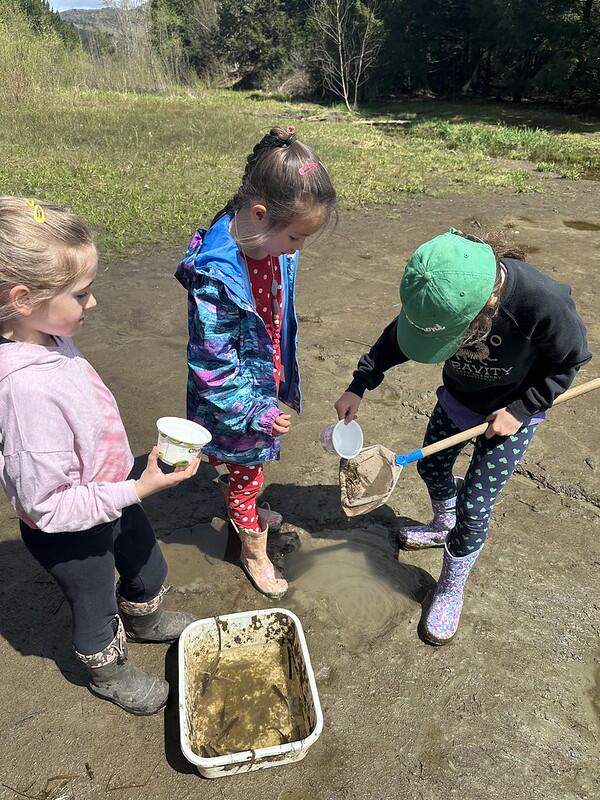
350	581
245	698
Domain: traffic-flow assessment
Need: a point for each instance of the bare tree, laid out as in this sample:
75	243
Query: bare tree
347	34
130	22
148	49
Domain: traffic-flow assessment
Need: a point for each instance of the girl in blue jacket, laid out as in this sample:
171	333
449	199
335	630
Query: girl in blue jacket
240	276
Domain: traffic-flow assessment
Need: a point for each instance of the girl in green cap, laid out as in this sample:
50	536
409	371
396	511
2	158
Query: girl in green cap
511	342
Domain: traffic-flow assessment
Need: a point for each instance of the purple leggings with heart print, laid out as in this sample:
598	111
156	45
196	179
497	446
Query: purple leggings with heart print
492	463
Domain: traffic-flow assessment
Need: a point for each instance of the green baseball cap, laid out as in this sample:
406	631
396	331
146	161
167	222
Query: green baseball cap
446	283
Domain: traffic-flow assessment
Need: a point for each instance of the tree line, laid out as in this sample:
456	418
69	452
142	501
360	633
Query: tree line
513	49
43	19
359	50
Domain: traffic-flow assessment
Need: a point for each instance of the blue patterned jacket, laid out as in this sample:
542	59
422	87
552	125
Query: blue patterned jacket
231	388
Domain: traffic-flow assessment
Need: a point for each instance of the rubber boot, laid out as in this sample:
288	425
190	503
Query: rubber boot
266	516
148	622
442	618
256	563
433	534
112	677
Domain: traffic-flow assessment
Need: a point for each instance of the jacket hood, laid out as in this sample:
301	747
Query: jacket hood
215	253
15	356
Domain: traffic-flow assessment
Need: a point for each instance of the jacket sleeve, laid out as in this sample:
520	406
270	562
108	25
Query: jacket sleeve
214	361
384	354
562	342
42	489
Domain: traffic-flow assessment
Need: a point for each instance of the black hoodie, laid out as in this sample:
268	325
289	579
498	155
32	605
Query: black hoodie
533	352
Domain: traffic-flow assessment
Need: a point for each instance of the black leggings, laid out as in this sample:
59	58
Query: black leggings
492	463
83	564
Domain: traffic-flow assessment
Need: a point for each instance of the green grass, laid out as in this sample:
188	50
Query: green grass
145	170
569	155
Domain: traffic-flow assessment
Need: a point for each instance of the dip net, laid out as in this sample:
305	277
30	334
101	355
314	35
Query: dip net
367	480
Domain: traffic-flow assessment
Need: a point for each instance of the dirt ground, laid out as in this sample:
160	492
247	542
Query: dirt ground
510	709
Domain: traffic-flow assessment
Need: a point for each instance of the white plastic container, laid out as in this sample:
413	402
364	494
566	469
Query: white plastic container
180	440
247	629
343	440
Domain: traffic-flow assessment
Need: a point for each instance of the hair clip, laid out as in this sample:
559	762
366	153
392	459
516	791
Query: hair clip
39	215
307	168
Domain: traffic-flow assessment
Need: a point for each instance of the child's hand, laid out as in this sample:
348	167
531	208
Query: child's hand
282	424
347	406
153	479
502	423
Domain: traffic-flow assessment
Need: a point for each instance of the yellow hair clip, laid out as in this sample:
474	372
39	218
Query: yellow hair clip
39	214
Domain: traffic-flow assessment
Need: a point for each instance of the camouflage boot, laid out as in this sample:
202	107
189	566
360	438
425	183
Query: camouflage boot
147	622
112	677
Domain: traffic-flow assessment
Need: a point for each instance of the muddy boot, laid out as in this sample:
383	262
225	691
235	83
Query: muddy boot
266	516
441	621
434	533
112	677
148	622
257	565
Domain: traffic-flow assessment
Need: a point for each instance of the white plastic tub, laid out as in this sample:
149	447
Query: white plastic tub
180	440
247	629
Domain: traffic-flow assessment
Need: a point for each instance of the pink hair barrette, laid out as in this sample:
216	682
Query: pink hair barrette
309	167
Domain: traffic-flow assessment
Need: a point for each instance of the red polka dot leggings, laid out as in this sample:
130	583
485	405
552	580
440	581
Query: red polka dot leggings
245	484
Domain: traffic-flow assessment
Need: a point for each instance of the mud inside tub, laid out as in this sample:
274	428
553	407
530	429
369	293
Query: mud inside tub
246	697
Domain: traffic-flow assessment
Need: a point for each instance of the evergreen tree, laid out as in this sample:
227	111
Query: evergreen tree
43	18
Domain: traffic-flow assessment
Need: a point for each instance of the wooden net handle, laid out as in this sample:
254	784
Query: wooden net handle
471	433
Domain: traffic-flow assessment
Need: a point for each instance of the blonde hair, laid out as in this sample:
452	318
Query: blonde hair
42	246
288	175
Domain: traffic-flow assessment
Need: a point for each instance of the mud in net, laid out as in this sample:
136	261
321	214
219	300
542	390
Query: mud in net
367	480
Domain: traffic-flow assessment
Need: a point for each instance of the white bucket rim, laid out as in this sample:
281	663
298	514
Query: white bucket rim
237	761
196	435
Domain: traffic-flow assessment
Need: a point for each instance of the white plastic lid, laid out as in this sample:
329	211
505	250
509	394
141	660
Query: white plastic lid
347	439
183	430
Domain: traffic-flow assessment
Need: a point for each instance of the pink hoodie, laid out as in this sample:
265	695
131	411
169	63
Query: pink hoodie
64	454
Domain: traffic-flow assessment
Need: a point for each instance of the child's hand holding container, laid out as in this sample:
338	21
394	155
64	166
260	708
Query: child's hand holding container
344	440
180	443
180	440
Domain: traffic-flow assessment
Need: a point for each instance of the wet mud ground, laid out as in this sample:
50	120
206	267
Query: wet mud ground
510	709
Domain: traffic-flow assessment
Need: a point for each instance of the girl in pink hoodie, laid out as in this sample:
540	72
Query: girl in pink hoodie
65	458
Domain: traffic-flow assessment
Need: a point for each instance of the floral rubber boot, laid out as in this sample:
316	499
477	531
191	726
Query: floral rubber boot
442	618
257	565
434	534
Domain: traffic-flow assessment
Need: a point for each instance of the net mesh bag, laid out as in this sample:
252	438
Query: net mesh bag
367	480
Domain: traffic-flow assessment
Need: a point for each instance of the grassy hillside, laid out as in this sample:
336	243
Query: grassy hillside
145	170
